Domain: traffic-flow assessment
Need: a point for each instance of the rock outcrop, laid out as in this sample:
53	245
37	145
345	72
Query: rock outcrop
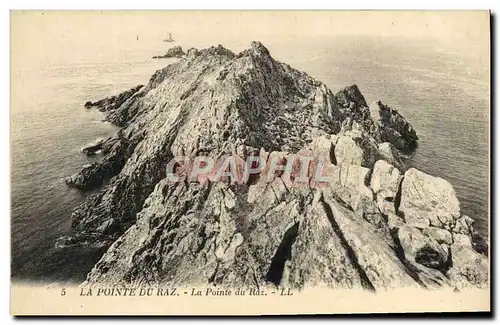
174	52
93	148
373	224
392	127
113	102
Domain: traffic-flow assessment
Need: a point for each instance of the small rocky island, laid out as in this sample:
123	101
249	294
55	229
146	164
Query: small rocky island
377	225
174	52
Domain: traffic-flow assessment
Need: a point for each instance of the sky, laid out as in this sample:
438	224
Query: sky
41	36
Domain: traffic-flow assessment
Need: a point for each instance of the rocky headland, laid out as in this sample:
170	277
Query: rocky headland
377	225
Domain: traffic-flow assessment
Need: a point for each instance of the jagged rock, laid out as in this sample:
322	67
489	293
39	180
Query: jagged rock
111	103
442	236
213	102
422	249
351	97
87	178
469	267
394	222
385	182
428	201
383	123
393	127
174	52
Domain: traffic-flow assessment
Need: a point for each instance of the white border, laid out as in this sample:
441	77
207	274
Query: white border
257	4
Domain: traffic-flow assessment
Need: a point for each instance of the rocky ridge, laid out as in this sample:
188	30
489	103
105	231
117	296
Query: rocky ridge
375	225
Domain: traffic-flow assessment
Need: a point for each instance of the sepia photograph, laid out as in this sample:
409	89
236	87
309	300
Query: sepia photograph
249	162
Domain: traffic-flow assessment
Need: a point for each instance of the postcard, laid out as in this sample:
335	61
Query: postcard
250	162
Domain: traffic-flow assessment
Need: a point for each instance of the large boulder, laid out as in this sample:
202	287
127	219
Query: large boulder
428	201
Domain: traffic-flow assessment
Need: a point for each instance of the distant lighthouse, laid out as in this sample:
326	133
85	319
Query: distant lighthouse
169	39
